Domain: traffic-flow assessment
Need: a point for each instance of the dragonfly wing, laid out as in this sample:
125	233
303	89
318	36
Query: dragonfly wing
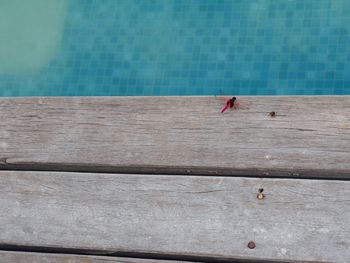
242	105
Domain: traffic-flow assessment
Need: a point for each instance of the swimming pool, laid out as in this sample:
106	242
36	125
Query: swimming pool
174	47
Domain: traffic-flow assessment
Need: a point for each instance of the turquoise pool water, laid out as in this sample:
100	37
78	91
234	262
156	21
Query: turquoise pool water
174	47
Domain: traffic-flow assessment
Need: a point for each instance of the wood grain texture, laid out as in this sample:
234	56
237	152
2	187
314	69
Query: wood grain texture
299	220
26	257
310	136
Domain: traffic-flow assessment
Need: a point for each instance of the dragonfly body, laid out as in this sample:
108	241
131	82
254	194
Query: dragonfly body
230	103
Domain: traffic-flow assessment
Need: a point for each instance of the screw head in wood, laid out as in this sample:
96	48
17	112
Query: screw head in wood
272	114
260	196
251	245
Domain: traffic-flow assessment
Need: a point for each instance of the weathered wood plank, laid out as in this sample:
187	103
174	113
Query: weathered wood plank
27	257
177	215
310	136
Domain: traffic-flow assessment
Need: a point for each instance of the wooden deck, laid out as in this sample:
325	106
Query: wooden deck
146	179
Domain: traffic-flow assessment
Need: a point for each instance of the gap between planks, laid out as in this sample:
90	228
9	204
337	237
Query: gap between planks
25	257
42	255
183	171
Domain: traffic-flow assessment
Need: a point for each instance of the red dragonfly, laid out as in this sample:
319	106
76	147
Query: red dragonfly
233	104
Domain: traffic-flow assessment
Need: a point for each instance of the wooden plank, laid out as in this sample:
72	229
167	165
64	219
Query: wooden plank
309	136
305	220
25	257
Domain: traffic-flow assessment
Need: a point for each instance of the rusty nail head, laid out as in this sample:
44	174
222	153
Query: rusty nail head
251	245
272	114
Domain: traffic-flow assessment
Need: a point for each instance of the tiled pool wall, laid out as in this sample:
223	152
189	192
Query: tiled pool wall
174	47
